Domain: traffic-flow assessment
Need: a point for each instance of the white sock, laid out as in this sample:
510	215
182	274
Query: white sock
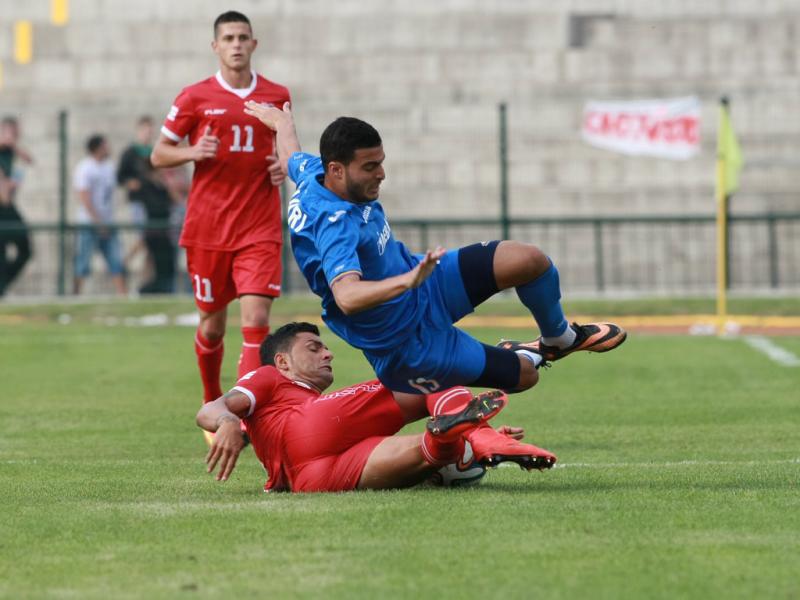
562	341
536	359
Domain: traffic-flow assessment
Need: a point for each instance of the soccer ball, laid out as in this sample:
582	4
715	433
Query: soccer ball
463	473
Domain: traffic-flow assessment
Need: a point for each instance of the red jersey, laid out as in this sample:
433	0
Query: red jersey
232	203
273	400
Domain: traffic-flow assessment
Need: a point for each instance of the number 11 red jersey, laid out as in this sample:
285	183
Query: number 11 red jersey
232	203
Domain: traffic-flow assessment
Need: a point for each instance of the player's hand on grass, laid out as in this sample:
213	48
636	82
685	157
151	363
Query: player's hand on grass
271	116
426	266
516	433
228	443
206	147
276	174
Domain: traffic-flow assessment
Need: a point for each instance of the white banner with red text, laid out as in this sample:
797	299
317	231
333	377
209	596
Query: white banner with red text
668	128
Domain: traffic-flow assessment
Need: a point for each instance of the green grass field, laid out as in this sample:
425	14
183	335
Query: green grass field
678	477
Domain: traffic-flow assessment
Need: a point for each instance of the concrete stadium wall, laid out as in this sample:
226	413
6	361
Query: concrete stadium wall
430	74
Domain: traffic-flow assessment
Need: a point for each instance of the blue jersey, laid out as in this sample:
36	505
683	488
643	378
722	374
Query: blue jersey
332	237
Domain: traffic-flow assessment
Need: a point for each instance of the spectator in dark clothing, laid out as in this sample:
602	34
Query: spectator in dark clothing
13	232
158	237
151	198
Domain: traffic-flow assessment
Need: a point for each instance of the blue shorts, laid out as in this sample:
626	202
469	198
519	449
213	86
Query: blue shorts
87	240
436	355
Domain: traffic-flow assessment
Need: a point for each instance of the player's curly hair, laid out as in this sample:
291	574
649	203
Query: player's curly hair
343	137
281	340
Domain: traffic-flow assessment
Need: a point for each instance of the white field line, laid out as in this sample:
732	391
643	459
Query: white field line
668	464
782	356
681	463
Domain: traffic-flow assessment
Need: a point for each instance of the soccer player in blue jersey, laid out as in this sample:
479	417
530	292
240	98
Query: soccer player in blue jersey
397	307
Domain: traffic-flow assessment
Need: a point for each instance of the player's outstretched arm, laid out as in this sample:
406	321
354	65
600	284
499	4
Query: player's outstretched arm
166	153
282	123
353	294
222	416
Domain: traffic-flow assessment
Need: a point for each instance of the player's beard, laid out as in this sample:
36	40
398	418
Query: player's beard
357	192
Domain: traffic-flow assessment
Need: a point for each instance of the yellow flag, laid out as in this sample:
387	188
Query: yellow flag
59	12
23	42
729	155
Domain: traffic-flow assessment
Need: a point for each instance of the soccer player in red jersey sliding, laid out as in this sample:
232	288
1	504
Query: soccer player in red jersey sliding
314	442
232	232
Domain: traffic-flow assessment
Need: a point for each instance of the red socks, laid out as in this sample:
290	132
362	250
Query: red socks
440	450
447	402
209	359
250	358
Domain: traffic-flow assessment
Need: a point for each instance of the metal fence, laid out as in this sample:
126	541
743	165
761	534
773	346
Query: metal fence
664	255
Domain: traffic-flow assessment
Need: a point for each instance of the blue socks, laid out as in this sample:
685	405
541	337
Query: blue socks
542	297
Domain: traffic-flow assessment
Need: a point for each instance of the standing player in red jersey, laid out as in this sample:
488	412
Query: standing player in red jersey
232	232
309	441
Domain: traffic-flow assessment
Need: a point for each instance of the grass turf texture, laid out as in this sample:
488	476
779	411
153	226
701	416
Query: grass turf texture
679	479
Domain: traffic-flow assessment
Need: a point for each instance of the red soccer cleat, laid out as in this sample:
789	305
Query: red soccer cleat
480	409
592	337
491	448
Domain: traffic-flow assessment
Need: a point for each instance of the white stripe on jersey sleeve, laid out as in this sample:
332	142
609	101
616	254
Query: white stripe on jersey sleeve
174	137
250	396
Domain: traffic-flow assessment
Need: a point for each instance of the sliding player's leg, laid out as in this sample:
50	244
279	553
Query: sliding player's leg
403	461
397	462
340	439
490	447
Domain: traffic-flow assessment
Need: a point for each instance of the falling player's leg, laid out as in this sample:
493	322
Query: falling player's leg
493	266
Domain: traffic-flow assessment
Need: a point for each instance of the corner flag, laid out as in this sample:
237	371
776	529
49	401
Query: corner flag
729	163
728	153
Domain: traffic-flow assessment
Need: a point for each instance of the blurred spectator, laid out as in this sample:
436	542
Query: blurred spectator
158	234
178	182
13	232
94	182
148	193
133	165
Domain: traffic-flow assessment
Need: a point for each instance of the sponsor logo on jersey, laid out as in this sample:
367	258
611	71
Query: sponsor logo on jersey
173	112
383	238
351	391
365	213
335	216
215	111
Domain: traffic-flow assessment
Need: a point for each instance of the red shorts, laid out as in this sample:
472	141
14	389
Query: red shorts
327	443
218	277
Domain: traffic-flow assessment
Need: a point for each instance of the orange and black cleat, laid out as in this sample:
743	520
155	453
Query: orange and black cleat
480	409
592	337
